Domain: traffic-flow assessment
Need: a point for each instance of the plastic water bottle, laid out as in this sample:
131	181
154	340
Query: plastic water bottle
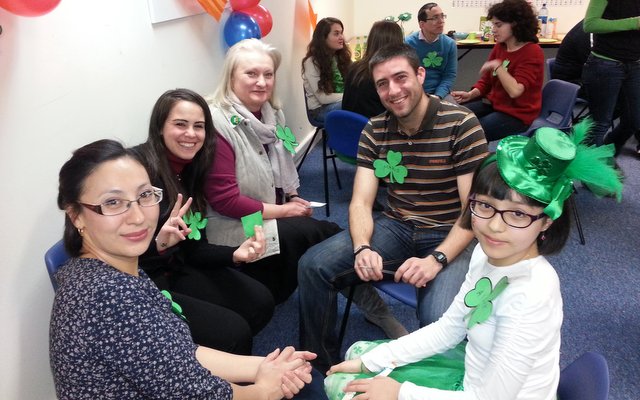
358	52
543	15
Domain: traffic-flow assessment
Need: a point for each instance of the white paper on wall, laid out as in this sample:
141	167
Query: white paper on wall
166	10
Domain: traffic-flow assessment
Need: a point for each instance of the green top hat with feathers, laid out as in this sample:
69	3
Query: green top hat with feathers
545	166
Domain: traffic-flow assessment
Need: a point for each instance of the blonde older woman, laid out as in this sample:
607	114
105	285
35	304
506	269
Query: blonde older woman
253	171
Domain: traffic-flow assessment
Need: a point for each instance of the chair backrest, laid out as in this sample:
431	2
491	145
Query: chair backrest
343	131
54	258
549	63
558	99
587	378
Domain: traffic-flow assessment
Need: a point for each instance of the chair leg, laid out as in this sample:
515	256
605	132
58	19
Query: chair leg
577	218
306	151
345	316
325	174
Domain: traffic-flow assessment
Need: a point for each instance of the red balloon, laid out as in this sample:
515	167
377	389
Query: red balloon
240	5
29	8
262	17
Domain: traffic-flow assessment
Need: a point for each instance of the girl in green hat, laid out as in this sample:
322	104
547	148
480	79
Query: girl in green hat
509	307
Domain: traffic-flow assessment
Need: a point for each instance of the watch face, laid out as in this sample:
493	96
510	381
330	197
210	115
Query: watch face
440	257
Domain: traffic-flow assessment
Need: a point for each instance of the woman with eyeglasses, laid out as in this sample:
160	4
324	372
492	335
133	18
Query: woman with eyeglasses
112	332
224	307
509	307
323	69
508	96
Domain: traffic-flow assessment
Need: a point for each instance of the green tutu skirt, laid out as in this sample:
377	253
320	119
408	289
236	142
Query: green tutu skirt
441	371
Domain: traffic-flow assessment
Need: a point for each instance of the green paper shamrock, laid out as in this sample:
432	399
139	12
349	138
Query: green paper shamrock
195	223
432	60
235	120
505	65
288	140
480	299
175	307
405	16
391	167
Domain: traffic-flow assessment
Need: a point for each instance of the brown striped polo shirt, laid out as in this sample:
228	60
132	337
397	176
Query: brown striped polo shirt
450	142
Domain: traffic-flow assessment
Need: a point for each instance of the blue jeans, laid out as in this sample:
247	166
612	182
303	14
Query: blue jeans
607	83
317	115
495	124
327	267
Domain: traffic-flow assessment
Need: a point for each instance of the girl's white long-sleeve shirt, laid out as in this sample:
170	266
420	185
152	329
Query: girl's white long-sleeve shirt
514	354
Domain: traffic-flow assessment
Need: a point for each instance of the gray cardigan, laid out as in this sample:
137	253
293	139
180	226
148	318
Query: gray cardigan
254	177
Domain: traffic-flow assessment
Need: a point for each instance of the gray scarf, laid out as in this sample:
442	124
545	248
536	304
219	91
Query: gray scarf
285	175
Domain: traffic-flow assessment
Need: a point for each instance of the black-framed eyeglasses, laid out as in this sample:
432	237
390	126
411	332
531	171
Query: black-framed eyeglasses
513	218
116	206
439	17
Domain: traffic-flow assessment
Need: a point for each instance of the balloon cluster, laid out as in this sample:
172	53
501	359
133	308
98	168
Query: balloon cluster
247	20
29	8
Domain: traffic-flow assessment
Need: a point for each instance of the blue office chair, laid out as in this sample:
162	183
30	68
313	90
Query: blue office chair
558	98
580	102
342	130
54	258
320	130
587	378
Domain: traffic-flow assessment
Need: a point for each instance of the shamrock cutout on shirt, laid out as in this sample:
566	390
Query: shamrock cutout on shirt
432	60
505	65
195	223
391	167
288	139
480	299
175	307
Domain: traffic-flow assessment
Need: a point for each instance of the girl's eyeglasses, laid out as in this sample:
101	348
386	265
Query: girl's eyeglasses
514	218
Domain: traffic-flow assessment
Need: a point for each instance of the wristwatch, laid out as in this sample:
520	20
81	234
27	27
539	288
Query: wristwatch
441	258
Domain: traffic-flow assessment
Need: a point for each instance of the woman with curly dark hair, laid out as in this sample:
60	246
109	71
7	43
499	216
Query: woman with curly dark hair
324	67
508	95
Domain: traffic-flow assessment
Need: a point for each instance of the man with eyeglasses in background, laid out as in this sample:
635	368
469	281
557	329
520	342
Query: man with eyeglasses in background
437	52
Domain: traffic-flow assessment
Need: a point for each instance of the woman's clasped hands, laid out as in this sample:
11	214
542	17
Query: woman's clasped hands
284	373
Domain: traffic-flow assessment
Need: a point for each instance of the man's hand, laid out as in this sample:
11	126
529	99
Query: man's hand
418	271
368	265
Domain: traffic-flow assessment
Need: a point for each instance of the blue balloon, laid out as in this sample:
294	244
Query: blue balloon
240	26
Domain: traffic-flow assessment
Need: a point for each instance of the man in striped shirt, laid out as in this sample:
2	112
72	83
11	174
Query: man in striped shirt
425	150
